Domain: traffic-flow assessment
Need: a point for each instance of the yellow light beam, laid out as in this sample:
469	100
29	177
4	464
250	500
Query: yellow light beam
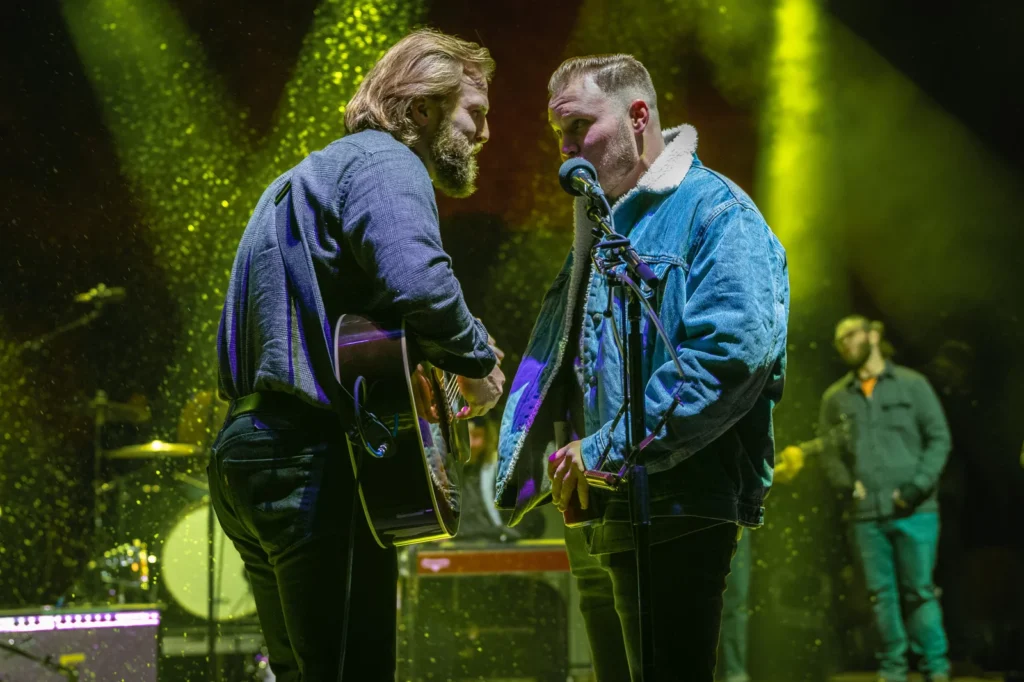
346	39
796	127
185	146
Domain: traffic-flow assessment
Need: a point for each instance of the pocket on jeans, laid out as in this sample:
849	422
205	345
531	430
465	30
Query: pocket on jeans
251	428
279	495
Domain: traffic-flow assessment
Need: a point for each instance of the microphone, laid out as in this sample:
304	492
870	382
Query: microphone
101	294
578	177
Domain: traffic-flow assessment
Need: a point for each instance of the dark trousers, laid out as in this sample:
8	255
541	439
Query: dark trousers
689	575
282	488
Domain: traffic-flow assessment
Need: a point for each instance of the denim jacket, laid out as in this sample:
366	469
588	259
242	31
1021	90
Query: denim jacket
723	298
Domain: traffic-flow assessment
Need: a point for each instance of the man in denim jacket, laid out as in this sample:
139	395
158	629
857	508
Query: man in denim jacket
723	297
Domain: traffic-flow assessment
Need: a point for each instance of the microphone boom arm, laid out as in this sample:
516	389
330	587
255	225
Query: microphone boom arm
608	238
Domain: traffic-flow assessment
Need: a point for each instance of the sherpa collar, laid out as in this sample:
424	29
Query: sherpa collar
664	175
672	164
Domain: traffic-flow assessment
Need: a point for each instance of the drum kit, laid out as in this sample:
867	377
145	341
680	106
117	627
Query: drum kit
153	523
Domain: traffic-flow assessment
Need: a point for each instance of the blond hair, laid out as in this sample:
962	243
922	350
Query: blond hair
615	74
425	63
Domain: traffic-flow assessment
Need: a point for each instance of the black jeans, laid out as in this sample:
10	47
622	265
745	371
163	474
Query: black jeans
282	488
688	579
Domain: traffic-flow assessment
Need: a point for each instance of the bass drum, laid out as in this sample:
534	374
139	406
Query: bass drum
183	569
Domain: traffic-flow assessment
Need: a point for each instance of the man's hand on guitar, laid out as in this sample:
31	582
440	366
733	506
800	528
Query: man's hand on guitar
481	394
423	394
565	469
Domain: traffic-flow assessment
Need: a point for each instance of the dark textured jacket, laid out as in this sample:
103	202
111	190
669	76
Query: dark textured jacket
897	436
365	206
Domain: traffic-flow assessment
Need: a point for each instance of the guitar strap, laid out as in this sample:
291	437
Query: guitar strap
298	267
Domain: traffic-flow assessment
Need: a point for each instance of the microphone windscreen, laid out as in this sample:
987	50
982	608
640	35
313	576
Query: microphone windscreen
565	173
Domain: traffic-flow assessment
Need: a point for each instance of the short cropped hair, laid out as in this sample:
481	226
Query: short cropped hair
615	74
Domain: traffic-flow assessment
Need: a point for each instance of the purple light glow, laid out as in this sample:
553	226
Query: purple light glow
80	621
526	492
435	565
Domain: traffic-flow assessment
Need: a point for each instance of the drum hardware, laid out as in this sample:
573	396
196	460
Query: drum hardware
185	564
123	569
176	566
201	418
120	413
141	564
141	451
107	411
98	296
161	537
156	448
192	481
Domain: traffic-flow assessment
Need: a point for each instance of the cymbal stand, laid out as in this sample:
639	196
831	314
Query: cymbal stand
40	341
98	485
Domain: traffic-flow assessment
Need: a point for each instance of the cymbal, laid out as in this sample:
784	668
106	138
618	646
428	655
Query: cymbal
156	448
123	413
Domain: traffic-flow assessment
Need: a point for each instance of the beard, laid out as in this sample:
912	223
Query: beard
858	355
454	160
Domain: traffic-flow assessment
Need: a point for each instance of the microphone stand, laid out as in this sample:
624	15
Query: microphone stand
46	662
40	341
98	296
617	250
38	344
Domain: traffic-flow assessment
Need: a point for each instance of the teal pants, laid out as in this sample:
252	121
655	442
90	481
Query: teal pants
732	647
898	556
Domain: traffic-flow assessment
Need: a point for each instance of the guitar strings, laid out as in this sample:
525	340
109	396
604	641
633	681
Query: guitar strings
451	390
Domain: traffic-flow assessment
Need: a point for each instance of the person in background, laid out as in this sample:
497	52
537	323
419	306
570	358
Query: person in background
481	520
732	644
888	469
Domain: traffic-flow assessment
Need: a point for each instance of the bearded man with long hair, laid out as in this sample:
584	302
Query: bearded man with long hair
280	477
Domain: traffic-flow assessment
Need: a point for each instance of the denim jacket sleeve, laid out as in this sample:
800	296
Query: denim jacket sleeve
732	334
934	435
391	224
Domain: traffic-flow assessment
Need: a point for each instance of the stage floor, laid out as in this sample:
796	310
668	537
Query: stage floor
914	677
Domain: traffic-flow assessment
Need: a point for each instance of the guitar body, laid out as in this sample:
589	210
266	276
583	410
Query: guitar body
412	493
